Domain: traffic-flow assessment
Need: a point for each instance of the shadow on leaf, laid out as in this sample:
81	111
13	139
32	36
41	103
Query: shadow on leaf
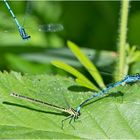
78	88
113	94
33	109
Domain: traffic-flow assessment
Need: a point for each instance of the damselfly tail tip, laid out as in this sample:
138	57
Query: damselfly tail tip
13	94
23	33
26	38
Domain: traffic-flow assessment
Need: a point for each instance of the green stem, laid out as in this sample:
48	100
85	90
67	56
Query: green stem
121	70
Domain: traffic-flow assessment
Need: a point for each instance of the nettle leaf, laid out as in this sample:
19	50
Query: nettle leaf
113	116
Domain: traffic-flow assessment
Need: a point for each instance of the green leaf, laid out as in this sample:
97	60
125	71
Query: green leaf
82	80
112	117
85	61
133	55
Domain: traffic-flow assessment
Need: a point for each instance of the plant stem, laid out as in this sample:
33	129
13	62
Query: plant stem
121	69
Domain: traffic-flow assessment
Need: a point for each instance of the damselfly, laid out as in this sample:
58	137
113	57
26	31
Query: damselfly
50	27
129	79
21	29
73	114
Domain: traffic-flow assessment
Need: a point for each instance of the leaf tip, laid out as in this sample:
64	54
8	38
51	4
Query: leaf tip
69	43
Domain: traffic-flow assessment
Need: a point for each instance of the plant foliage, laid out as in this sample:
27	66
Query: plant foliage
113	116
85	61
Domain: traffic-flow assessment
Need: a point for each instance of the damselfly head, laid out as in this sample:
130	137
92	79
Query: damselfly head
73	112
77	114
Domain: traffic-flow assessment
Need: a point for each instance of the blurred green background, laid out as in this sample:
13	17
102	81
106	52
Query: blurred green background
93	25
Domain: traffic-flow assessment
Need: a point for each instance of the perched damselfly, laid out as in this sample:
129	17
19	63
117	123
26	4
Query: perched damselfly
73	114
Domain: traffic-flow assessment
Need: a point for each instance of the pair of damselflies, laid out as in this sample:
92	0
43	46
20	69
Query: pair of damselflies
75	113
52	27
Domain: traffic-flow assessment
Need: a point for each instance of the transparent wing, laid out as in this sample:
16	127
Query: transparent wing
52	27
28	21
49	27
